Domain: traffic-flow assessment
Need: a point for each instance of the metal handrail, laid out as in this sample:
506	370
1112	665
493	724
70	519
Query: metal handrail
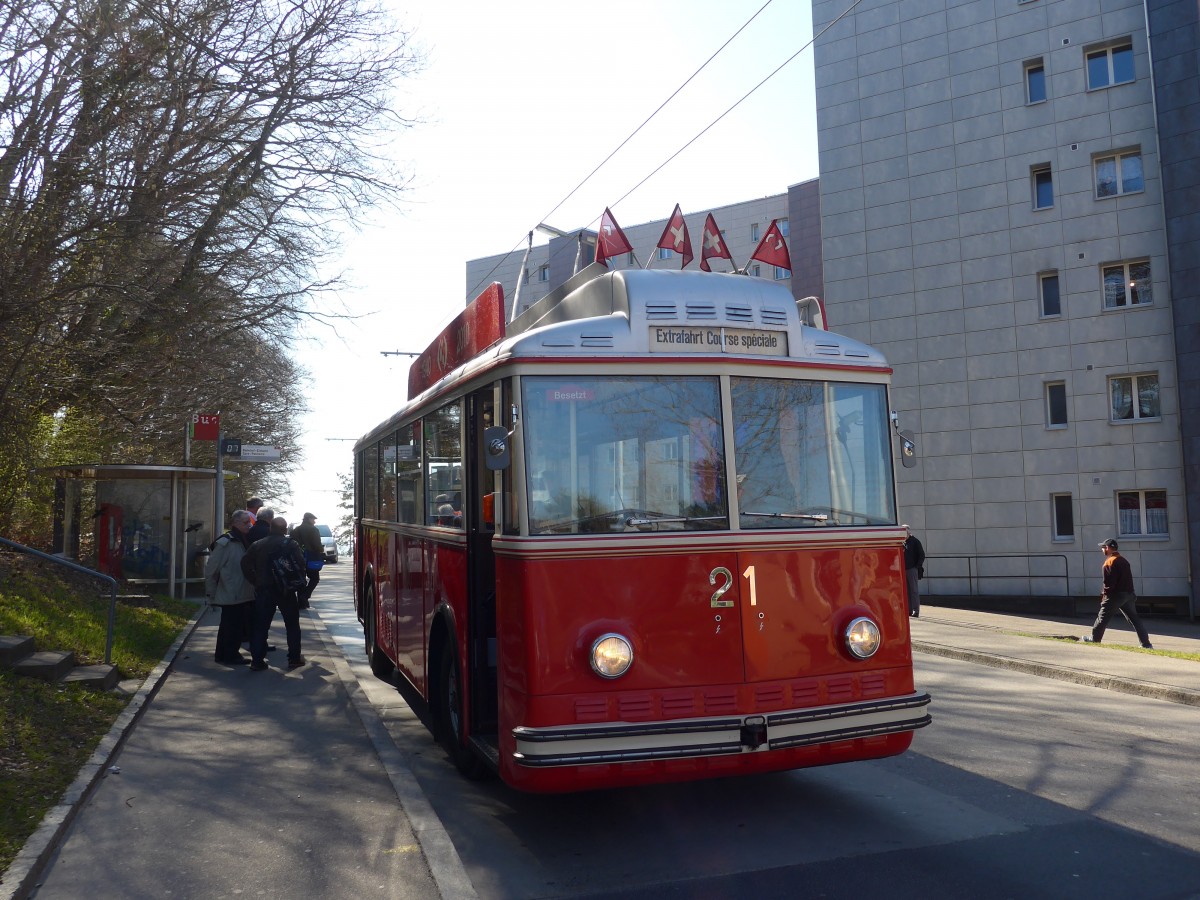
75	567
973	576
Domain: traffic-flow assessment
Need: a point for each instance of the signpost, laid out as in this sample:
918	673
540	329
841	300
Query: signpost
206	426
239	452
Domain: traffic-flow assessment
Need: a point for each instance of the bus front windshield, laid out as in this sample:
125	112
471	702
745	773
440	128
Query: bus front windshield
647	453
632	453
811	453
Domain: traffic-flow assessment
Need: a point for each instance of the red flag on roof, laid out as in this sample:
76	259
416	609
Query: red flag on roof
772	249
675	237
712	245
610	239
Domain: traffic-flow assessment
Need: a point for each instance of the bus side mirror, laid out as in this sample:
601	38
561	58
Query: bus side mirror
908	449
495	444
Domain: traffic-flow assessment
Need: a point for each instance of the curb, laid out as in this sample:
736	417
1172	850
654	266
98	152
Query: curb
19	878
1062	673
445	865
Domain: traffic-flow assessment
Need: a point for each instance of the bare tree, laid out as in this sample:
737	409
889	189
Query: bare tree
171	172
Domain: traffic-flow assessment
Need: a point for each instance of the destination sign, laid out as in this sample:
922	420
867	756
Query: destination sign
703	339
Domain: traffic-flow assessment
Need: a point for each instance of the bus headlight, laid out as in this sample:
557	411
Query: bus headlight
612	655
862	638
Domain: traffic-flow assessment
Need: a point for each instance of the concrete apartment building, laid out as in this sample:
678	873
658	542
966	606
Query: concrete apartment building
1009	210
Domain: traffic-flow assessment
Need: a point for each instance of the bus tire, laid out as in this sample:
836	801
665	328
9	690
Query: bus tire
450	717
381	666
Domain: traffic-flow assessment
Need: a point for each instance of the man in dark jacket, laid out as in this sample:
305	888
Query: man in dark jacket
269	595
306	535
1117	594
262	524
914	569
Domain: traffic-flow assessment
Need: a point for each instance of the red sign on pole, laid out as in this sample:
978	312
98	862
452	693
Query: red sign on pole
206	426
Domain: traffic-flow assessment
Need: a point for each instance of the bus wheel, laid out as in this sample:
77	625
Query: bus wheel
450	717
381	666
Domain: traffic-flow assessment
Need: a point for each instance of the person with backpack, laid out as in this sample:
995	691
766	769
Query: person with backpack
309	539
276	566
226	588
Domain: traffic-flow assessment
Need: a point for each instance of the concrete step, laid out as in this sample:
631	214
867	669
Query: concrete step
14	647
19	654
98	677
49	665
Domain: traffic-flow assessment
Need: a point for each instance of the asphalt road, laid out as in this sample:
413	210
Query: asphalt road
1023	787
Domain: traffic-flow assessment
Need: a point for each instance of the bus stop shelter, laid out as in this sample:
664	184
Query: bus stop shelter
143	524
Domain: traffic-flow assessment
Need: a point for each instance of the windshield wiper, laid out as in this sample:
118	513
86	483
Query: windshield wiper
817	517
644	523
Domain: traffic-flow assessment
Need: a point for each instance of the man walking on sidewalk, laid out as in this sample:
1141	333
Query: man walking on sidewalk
1117	594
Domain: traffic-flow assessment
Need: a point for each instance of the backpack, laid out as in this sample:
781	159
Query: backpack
287	575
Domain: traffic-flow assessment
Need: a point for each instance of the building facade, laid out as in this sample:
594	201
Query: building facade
1009	194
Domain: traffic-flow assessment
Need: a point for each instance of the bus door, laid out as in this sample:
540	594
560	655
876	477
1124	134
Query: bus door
480	519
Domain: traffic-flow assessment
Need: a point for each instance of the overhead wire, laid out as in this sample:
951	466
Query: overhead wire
697	137
631	136
744	97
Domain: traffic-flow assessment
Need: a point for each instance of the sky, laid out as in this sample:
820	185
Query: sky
518	103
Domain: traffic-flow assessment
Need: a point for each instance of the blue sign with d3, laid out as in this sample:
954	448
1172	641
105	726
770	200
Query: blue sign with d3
231	446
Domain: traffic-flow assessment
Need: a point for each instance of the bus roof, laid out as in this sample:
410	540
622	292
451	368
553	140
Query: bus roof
632	313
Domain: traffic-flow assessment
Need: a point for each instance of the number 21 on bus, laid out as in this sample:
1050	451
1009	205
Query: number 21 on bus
645	531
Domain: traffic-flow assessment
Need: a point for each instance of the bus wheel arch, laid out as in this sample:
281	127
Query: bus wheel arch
381	666
447	706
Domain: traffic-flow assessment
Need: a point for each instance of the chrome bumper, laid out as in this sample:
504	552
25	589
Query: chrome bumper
578	745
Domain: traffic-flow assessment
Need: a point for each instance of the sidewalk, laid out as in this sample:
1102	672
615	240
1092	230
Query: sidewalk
219	781
1019	643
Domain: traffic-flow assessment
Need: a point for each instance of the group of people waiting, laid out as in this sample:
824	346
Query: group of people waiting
243	578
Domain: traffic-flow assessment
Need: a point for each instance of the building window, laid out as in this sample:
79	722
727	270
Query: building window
1056	404
784	228
1035	81
1043	187
1109	66
629	258
754	231
543	273
756	270
1048	294
1064	517
1134	397
665	252
781	273
1142	513
1126	284
1119	174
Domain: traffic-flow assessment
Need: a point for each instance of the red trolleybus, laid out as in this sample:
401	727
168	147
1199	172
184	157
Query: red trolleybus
644	532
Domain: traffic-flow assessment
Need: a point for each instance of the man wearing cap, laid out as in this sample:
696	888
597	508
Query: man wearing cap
306	535
1117	594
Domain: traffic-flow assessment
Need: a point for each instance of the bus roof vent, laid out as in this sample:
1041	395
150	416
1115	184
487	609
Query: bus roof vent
596	340
738	313
824	348
662	309
857	354
701	311
773	315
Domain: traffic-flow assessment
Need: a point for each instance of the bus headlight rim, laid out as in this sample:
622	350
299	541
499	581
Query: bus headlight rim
611	655
862	638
